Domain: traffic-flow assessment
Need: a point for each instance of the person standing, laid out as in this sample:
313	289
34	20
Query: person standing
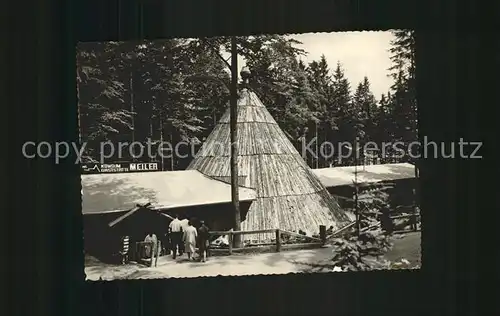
386	221
150	250
125	249
190	235
203	241
166	243
184	224
175	231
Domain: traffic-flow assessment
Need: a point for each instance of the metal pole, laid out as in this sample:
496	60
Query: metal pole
234	146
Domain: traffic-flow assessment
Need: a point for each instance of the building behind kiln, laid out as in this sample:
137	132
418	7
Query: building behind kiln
401	176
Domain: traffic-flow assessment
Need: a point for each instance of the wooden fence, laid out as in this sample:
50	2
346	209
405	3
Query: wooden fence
342	230
352	224
279	242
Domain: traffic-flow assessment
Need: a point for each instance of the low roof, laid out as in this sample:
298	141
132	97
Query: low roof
118	192
338	176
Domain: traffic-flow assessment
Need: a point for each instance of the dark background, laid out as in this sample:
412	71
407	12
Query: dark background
43	249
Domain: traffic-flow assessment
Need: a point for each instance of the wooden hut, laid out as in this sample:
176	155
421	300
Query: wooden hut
109	205
289	195
339	180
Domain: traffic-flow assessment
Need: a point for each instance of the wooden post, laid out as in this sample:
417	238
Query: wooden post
414	215
233	131
78	83
158	249
316	142
172	161
131	86
230	239
356	192
356	204
161	144
136	256
152	254
278	240
322	234
415	197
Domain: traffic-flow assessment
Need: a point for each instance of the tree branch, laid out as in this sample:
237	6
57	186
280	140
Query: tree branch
216	52
205	77
220	56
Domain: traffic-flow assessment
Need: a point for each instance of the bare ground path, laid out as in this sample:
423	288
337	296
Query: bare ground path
407	247
252	264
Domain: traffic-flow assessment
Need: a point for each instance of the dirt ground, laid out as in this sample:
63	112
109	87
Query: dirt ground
298	261
267	263
407	247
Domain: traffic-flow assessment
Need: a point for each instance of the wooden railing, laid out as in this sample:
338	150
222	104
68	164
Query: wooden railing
350	225
414	225
408	209
343	229
278	237
405	216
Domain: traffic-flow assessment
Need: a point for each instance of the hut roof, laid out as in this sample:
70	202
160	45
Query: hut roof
121	192
339	176
289	195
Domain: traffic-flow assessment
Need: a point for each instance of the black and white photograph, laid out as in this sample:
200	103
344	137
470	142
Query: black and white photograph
249	155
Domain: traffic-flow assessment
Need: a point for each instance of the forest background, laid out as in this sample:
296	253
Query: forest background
173	90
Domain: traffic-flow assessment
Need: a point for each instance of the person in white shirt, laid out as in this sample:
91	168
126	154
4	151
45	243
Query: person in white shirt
175	230
189	238
184	225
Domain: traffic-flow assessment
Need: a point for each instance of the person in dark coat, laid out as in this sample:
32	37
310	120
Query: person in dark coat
203	241
165	243
386	221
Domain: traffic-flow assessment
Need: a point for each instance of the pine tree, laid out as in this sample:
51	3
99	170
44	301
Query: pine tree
365	106
101	97
187	108
320	80
403	54
269	58
342	120
385	126
403	112
163	105
302	110
403	102
134	91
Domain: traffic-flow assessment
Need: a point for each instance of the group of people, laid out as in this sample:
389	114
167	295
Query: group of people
182	237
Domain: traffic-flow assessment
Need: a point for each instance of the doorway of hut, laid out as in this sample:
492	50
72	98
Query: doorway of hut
129	234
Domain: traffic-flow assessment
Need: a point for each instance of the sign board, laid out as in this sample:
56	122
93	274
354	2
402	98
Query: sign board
119	167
